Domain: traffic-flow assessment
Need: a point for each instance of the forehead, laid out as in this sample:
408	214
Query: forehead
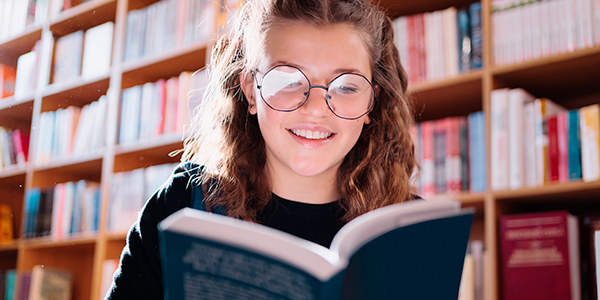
318	50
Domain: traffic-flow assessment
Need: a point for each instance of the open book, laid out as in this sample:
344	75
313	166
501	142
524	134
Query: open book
411	250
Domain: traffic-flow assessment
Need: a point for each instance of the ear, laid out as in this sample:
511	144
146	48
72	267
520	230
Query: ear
247	84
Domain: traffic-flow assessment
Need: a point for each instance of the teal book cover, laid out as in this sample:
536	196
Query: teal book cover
412	250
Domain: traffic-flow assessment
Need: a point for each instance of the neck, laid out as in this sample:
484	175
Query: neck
313	190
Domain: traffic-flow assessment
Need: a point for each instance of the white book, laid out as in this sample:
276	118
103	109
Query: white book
5	18
519	44
147	109
68	56
18	19
584	23
527	39
41	11
450	49
529	145
596	10
555	26
499	139
77	140
99	128
590	142
545	26
536	30
517	99
68	208
25	74
97	51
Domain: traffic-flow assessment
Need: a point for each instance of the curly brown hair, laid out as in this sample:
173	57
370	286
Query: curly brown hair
227	140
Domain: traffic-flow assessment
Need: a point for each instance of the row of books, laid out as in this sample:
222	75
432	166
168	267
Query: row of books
83	54
7	81
16	15
80	54
542	28
62	210
440	44
130	190
14	148
549	255
160	107
72	131
42	282
451	153
7	233
167	25
535	141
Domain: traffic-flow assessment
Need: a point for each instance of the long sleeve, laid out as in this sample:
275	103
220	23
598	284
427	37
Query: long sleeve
139	274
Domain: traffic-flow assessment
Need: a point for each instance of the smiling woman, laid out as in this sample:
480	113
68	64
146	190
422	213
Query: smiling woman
303	127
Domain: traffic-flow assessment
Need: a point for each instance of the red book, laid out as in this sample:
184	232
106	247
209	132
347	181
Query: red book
553	148
428	167
563	146
412	58
453	159
540	256
21	144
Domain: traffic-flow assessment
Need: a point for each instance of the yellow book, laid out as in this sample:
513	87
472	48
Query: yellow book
590	142
6	224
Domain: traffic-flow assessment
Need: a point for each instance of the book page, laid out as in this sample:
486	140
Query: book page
310	257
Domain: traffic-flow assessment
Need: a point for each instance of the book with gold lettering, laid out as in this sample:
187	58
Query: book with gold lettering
540	256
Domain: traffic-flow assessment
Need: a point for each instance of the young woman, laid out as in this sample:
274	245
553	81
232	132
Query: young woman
304	126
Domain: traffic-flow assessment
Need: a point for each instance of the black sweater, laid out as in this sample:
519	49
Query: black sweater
139	273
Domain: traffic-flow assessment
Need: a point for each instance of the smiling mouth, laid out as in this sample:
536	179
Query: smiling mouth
311	135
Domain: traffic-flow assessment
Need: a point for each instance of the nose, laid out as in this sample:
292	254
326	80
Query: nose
316	104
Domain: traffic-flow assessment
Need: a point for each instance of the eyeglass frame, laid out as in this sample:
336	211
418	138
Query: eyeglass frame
307	94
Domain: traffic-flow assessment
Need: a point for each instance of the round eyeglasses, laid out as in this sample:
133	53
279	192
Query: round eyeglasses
285	88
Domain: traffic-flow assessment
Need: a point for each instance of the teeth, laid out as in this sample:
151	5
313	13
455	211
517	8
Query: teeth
312	135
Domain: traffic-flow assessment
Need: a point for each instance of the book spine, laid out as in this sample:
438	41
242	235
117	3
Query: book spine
553	166
499	139
428	167
574	144
590	142
529	145
476	36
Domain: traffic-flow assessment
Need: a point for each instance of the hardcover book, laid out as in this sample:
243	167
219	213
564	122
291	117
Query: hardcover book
540	256
415	250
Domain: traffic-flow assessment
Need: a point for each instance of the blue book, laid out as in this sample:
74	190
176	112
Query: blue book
411	250
464	39
476	35
11	276
574	142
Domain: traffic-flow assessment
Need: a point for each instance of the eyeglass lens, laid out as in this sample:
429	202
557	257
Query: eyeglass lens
286	88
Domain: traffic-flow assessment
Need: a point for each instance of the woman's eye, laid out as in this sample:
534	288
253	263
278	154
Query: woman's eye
347	89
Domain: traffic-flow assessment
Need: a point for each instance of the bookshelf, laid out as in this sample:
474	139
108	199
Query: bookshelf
570	79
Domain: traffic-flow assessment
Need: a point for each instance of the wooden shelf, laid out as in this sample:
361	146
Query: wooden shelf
82	241
559	77
8	174
572	191
71	169
150	69
14	47
77	92
437	99
9	246
84	16
15	114
144	153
